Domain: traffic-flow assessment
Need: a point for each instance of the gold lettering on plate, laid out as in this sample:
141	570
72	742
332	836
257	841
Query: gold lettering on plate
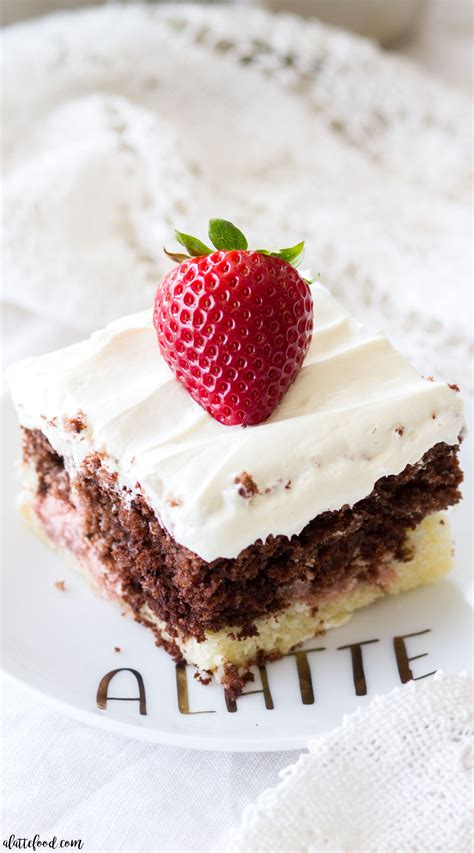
182	690
103	697
231	704
403	661
304	673
358	673
303	668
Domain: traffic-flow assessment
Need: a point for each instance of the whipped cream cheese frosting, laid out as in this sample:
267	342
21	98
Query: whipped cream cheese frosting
357	411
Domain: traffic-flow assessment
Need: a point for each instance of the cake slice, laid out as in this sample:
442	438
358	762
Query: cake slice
233	545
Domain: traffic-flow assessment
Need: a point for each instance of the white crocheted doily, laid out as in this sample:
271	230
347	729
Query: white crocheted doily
397	776
124	122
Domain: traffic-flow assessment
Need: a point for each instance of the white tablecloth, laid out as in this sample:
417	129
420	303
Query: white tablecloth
67	779
396	776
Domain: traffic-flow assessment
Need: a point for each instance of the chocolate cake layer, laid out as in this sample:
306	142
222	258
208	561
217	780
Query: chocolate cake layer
194	596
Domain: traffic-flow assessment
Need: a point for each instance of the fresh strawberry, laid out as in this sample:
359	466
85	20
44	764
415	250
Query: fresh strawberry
234	325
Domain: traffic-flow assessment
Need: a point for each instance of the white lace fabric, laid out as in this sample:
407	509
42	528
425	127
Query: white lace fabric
396	776
125	122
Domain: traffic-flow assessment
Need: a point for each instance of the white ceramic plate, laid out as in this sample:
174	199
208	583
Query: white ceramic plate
62	644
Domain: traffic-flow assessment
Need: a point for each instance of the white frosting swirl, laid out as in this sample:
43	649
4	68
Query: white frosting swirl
356	412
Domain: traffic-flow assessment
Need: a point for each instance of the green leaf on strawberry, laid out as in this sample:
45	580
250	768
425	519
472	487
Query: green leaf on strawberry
179	257
194	246
225	236
294	255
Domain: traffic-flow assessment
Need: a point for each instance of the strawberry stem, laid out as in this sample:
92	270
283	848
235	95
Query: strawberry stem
225	236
